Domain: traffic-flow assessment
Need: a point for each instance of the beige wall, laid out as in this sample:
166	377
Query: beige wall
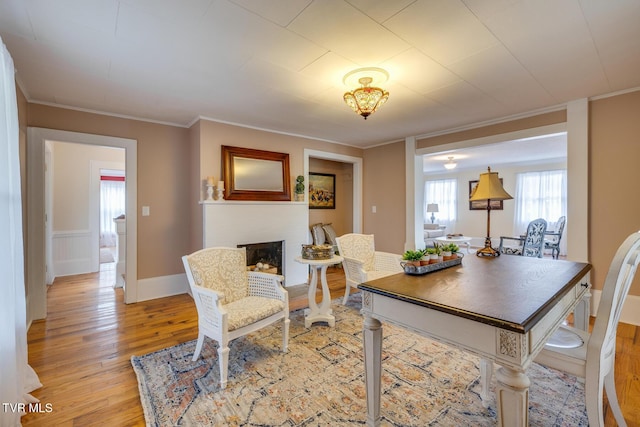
71	182
614	155
341	217
166	157
213	135
163	175
384	188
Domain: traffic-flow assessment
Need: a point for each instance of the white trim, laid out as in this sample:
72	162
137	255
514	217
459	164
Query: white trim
71	253
162	286
357	180
35	216
630	309
94	205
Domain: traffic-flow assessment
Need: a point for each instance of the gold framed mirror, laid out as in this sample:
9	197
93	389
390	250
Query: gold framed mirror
255	174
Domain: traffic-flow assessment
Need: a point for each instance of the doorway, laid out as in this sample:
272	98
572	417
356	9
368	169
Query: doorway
37	217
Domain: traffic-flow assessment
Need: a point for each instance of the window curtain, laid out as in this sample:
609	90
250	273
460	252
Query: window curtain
17	379
541	195
112	205
444	193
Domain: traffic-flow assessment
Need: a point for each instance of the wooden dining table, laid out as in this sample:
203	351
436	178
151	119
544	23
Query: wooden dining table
501	309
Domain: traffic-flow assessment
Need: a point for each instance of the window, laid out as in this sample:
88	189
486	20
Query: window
540	195
444	193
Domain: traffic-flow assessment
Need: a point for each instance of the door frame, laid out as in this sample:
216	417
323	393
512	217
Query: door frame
36	234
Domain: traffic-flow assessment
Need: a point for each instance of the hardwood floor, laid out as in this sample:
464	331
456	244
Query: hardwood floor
82	351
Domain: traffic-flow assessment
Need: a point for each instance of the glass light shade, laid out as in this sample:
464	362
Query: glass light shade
366	99
489	187
450	164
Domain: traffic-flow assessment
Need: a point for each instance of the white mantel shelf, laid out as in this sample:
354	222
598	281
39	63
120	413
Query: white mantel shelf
230	223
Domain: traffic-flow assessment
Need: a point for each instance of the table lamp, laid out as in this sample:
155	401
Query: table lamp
489	188
432	207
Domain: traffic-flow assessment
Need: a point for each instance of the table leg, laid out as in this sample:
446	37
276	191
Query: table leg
512	396
322	313
372	335
486	372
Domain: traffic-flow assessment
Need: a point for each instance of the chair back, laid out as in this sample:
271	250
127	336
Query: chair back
221	269
601	348
358	246
534	239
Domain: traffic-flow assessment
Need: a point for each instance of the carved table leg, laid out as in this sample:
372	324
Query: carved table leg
372	335
512	396
322	313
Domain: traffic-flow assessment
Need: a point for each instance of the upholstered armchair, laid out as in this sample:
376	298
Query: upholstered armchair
232	301
531	244
552	238
363	263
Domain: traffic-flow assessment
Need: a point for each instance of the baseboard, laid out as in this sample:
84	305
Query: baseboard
162	286
630	310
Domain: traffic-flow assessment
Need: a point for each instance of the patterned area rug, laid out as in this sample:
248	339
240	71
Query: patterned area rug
320	381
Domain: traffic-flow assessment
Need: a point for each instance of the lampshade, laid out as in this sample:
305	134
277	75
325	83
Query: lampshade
450	164
432	207
489	187
366	99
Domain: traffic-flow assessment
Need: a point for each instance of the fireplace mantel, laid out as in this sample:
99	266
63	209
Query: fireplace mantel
230	223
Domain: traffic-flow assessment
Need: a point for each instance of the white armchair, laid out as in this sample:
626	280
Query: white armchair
232	301
363	263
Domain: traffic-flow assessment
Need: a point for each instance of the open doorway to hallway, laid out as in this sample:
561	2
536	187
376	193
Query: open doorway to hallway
38	139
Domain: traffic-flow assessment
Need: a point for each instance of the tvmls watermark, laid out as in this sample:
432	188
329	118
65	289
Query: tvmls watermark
43	408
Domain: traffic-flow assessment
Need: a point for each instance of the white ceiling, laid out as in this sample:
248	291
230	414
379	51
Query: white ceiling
529	151
279	64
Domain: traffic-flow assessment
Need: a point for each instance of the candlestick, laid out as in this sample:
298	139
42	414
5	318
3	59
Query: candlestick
209	192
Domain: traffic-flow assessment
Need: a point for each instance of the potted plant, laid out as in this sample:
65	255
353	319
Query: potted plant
299	190
413	257
449	251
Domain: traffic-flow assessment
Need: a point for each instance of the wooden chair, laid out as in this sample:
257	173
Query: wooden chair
594	357
362	262
530	244
552	238
232	301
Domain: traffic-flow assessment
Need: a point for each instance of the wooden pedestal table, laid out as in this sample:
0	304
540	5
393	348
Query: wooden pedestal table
323	312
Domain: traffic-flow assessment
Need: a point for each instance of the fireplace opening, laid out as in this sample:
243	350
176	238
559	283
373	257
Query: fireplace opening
266	256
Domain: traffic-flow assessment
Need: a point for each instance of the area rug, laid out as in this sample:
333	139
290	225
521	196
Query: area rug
320	381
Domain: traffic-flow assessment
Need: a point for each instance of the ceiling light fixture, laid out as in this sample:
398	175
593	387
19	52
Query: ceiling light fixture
450	164
366	99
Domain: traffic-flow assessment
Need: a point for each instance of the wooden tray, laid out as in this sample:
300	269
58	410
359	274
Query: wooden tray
424	269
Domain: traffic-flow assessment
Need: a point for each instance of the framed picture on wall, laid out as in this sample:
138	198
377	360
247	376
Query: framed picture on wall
322	190
481	205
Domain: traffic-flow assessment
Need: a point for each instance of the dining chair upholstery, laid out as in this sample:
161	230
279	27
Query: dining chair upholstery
531	244
362	262
594	358
552	238
231	301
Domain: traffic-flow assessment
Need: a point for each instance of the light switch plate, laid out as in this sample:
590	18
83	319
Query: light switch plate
145	211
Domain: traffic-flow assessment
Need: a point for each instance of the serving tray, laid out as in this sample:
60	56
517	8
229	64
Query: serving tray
424	269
